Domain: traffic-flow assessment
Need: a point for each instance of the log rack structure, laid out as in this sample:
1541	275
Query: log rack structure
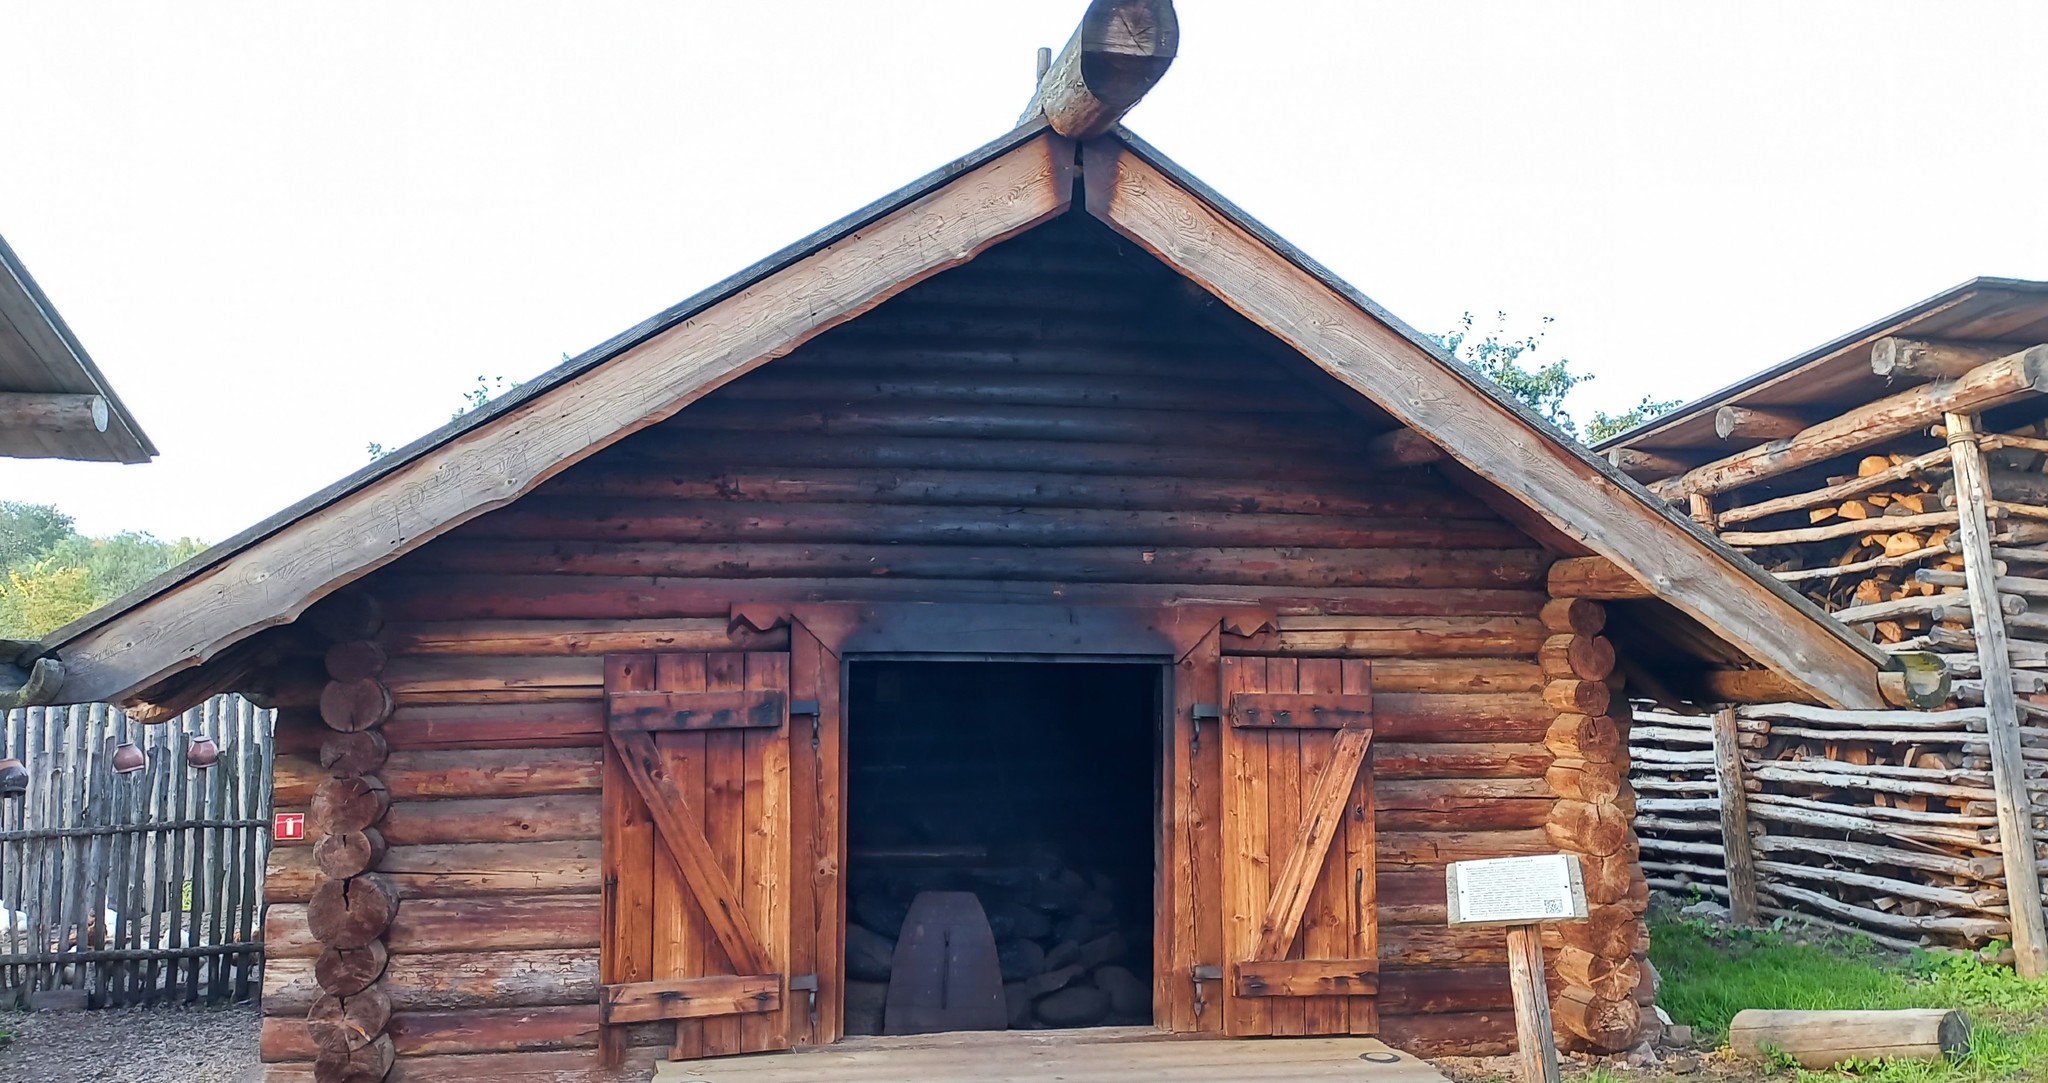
1896	478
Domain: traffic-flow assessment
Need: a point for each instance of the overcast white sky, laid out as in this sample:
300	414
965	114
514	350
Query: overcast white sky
285	230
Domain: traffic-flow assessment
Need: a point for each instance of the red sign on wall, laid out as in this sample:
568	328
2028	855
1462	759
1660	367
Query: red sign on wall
288	827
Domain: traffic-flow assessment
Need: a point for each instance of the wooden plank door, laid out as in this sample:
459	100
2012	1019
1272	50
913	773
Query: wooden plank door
1300	935
698	882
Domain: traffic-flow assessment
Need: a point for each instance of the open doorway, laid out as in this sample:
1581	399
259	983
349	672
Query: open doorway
1032	786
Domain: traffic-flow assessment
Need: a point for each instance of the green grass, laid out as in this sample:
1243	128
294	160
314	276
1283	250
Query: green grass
1712	973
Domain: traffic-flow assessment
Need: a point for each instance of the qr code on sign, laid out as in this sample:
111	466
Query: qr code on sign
1552	906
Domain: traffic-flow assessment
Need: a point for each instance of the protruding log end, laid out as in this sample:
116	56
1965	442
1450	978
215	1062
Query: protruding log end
1605	1023
1597	578
1822	1039
1575	615
53	413
39	684
1402	448
1749	423
1920	683
1120	50
1913	358
1644	465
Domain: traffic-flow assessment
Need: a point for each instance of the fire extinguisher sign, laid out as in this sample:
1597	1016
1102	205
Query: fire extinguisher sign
288	827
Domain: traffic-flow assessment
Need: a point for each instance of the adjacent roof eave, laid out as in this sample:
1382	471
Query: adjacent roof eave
1792	367
23	301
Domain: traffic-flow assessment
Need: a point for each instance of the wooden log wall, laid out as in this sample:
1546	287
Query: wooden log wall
351	904
1137	448
1601	980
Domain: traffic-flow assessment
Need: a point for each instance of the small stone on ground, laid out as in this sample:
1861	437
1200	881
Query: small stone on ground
128	1045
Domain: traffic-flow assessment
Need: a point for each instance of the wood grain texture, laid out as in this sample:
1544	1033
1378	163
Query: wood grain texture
1483	434
1739	858
1301	711
1190	923
679	826
1322	813
2008	379
627	895
493	464
1308	977
2015	816
690	998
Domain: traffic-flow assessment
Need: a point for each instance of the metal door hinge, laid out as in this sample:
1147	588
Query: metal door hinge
807	983
1198	713
809	707
1203	973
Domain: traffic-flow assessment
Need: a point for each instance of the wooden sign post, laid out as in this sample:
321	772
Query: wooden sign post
1522	893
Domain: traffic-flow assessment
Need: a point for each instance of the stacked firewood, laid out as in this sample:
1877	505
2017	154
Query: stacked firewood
1860	555
1868	821
1061	940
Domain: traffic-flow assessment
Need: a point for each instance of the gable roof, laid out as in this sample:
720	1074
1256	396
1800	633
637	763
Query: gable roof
1836	374
40	355
269	574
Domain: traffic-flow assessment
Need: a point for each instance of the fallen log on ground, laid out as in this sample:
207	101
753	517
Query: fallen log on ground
1822	1039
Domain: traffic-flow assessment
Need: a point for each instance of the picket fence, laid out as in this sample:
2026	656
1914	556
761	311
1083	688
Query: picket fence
137	887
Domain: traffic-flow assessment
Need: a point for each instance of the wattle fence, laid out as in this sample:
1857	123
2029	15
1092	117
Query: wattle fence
131	868
1882	823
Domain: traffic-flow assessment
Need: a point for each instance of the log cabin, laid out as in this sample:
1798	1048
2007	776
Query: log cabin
1048	532
1895	475
54	404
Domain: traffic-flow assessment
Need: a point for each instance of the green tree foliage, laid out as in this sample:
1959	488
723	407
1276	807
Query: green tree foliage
486	389
27	530
476	398
1604	424
1499	356
53	575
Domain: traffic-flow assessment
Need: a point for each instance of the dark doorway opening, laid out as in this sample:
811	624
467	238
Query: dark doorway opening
1032	786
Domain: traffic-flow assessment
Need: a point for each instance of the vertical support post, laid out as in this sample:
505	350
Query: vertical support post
1735	845
2001	703
1535	1044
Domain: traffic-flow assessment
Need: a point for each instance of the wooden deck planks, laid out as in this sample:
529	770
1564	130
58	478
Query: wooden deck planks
1068	1057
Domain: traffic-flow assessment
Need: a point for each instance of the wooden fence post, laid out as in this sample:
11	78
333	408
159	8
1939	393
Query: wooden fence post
1735	843
2001	702
99	860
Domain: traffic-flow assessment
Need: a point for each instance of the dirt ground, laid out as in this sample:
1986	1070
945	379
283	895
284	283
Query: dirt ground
1672	1066
132	1045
